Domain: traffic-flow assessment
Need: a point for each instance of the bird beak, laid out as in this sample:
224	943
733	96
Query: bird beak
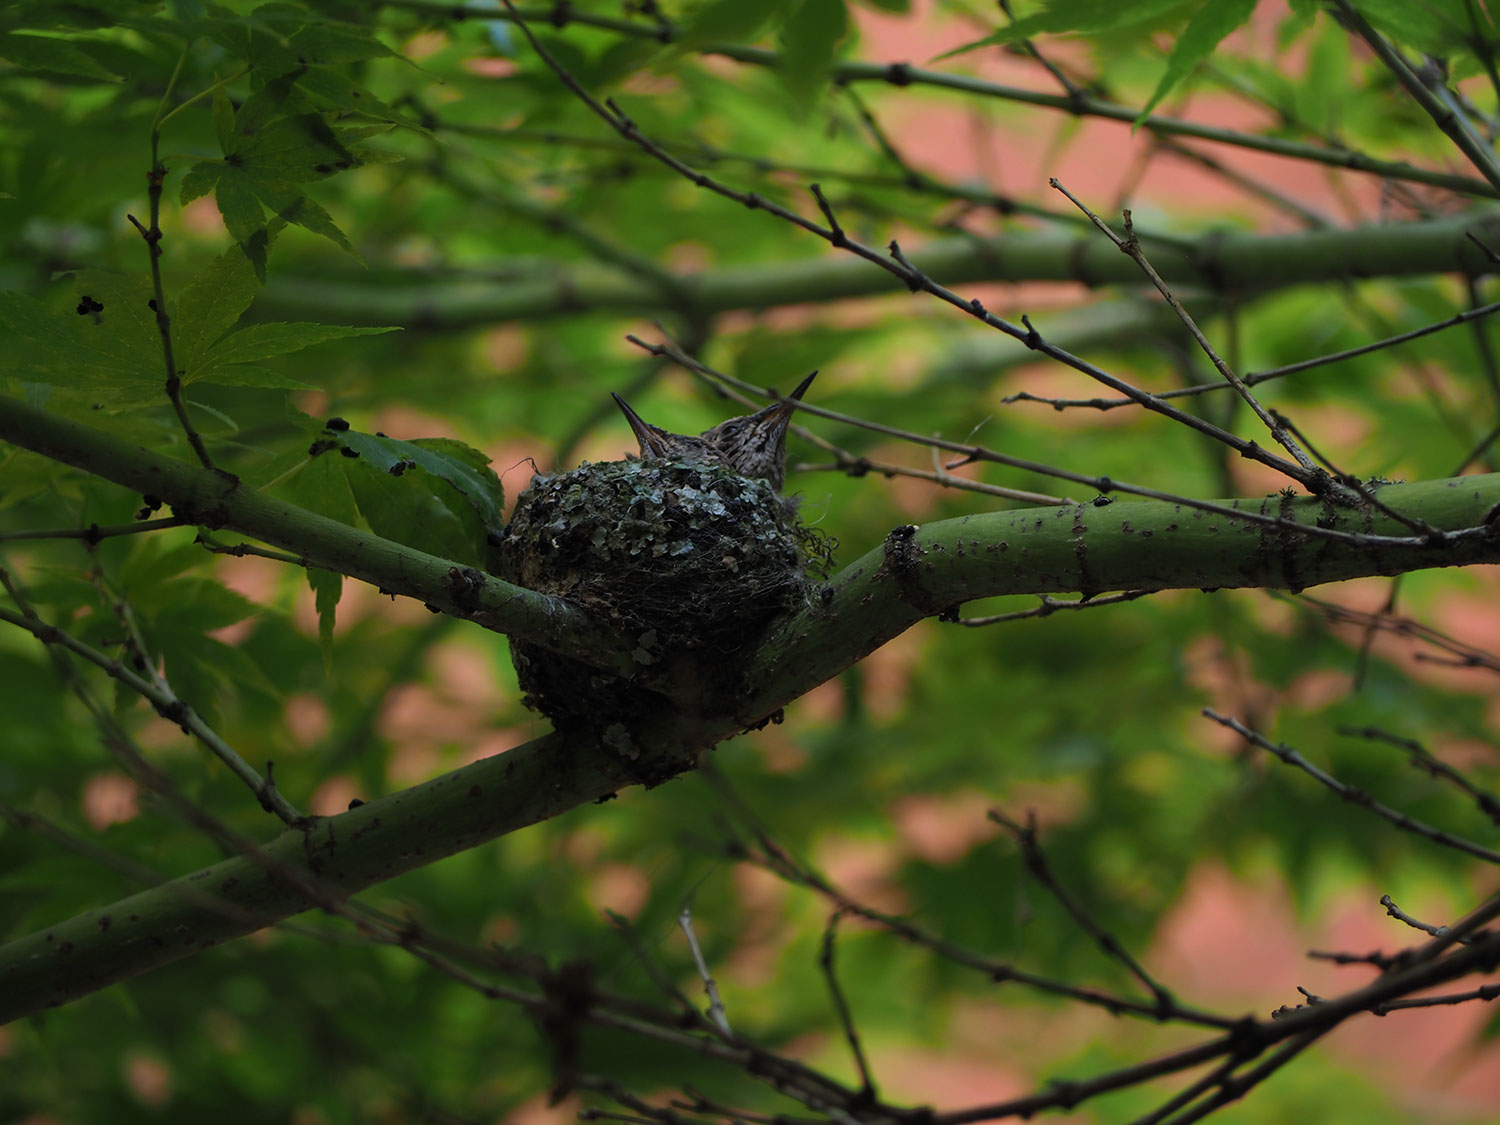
647	436
782	411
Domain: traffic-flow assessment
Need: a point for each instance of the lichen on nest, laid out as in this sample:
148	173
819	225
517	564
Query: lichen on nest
691	561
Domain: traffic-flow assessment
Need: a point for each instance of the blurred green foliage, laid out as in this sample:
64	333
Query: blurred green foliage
406	145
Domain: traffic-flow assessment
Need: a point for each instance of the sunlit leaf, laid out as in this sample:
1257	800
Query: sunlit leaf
328	588
729	20
1437	27
210	305
1061	17
809	38
257	342
1210	23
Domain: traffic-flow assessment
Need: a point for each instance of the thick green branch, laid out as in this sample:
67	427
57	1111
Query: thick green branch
335	856
219	500
1237	263
1090	549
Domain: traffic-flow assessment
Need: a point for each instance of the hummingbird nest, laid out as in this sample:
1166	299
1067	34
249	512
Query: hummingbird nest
691	561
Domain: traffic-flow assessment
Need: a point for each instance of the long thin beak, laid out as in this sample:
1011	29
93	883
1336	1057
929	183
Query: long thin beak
782	411
647	436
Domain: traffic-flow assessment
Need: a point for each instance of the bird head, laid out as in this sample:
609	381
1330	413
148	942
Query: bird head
752	445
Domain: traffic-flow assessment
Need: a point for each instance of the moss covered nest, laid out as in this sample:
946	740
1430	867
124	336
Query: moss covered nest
691	561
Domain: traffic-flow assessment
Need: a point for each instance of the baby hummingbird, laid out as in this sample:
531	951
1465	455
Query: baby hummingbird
752	445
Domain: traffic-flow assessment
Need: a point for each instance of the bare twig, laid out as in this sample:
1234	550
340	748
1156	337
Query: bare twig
1464	655
844	461
1484	992
1357	486
774	859
1103	485
716	1011
1423	759
93	533
1471	926
903	75
1376	959
841	1005
1255	378
1351	794
1232	1089
242	549
1036	863
895	262
648	963
1028	47
1130	245
1417	924
155	692
1051	605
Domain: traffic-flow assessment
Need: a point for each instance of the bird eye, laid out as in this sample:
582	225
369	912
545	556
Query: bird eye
730	429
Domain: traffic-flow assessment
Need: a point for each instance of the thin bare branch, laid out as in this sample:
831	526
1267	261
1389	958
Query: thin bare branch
1232	1089
1483	993
1102	485
905	75
93	533
915	279
1424	760
1437	931
1375	959
776	860
1351	794
841	1005
1255	378
844	461
648	963
1418	525
1465	655
158	694
1036	863
716	1010
1130	245
152	236
1051	605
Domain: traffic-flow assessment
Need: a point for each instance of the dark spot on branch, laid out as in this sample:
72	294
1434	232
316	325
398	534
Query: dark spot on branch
898	74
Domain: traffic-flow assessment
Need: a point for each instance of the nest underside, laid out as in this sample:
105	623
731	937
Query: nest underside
692	563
